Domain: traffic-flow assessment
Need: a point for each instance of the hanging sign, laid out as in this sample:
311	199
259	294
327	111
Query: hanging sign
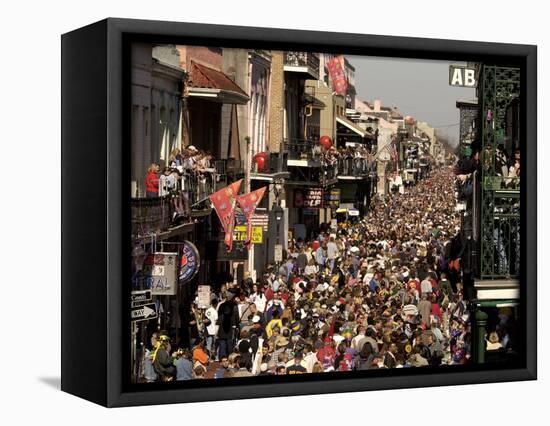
332	198
241	233
160	272
462	76
308	198
189	262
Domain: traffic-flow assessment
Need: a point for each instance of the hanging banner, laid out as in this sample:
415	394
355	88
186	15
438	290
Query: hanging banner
337	74
189	262
160	273
223	202
248	203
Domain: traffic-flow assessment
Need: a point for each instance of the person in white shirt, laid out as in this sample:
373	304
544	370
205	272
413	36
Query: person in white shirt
211	329
310	358
258	298
426	286
332	252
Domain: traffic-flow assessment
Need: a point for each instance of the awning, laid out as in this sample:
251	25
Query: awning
350	211
210	84
353	127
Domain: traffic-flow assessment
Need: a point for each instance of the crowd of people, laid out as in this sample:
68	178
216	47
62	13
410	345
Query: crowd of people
380	292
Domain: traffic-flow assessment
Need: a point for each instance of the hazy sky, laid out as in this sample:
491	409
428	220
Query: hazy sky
419	88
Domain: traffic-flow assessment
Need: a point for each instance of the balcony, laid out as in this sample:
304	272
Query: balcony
272	166
306	165
353	168
306	63
302	153
228	170
166	216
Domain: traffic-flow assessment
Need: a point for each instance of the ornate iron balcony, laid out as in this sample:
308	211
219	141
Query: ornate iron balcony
303	62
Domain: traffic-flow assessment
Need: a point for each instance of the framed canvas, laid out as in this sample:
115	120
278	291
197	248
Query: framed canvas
255	212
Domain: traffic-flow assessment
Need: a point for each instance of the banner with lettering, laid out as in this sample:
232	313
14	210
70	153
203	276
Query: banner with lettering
223	202
248	203
338	75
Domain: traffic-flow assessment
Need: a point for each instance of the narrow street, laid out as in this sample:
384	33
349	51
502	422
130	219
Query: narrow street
284	224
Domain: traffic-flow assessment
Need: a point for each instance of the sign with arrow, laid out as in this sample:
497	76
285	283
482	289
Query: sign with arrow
144	313
140	297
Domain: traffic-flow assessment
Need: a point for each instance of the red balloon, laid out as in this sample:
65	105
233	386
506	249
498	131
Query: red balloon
315	245
325	142
259	159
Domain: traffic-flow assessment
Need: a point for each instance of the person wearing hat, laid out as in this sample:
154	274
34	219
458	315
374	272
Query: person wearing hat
257	329
162	361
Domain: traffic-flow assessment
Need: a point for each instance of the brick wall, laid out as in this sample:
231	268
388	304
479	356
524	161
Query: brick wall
276	102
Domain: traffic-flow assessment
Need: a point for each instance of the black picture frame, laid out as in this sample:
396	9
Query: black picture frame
95	170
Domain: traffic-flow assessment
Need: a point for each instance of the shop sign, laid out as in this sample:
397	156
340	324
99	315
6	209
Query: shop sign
332	198
189	262
462	76
240	234
160	272
308	198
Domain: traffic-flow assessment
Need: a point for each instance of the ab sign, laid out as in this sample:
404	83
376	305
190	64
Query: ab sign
462	76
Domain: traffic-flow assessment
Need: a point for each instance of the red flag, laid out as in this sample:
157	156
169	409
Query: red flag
337	74
248	203
224	202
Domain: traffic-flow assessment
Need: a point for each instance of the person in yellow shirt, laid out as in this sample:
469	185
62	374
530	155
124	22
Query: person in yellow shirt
275	322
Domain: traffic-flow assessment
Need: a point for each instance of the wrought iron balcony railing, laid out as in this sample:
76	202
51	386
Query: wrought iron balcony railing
153	216
304	62
303	149
353	166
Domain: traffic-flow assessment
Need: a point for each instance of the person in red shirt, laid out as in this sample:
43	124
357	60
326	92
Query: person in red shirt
152	181
327	354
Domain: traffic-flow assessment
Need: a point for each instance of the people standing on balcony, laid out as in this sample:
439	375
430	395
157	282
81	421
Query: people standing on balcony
152	181
167	182
175	160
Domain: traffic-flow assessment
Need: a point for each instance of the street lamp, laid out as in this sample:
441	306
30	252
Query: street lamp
278	213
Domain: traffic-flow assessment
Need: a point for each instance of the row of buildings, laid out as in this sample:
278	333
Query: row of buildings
262	115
